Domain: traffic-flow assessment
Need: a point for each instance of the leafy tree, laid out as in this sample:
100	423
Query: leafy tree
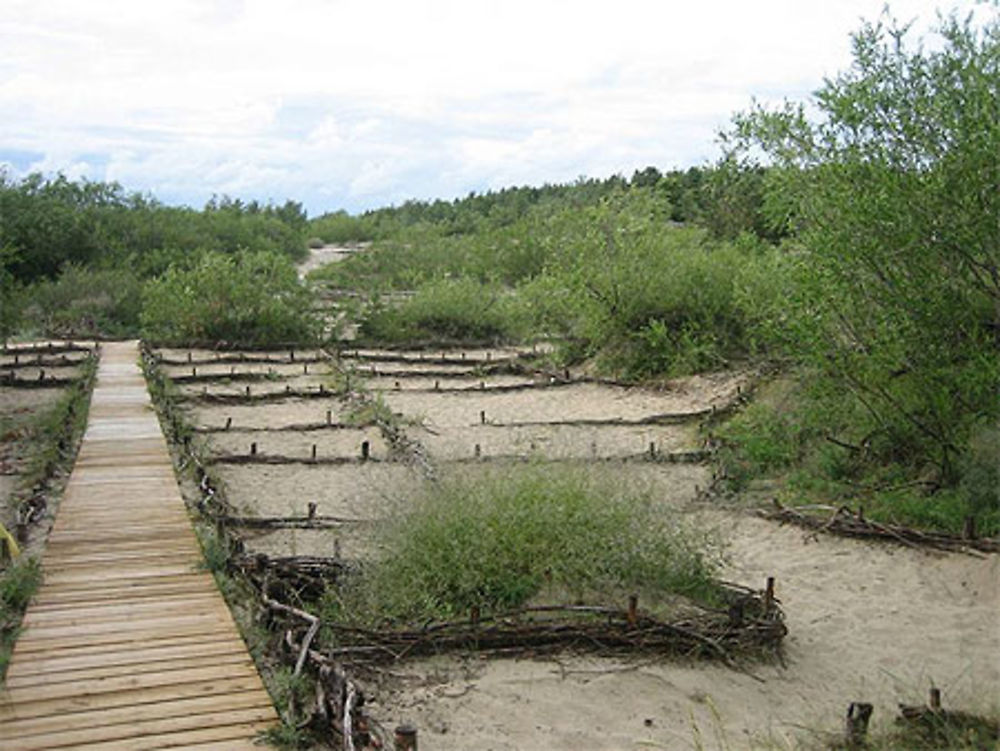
10	308
893	193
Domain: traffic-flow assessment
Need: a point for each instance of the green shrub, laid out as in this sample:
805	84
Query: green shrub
452	309
84	302
500	539
251	299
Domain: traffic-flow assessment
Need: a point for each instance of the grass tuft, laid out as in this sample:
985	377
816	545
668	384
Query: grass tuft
499	540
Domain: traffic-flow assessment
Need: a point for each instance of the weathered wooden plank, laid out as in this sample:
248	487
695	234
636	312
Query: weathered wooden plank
126	715
123	657
136	697
215	658
94	688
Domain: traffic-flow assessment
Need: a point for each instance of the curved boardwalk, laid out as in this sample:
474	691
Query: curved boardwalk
128	645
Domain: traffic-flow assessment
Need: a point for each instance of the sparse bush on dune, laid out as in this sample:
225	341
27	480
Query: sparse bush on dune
499	539
251	299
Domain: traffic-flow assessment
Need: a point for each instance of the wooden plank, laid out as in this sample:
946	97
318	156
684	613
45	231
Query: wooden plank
215	658
138	698
237	732
93	689
127	715
126	656
31	643
124	605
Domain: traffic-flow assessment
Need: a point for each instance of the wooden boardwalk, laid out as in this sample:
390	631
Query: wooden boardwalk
128	645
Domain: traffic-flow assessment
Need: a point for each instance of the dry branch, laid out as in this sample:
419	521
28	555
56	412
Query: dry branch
844	521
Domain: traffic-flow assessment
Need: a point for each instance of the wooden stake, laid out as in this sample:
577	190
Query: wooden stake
478	451
969	528
229	423
248	391
194	371
856	724
314	452
365	450
189	355
935	699
253	449
633	610
769	594
482	417
312	509
305	368
406	738
437	385
329	417
652	449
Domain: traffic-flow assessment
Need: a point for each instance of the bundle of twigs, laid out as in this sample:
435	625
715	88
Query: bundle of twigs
753	622
842	520
47	348
320	392
243	358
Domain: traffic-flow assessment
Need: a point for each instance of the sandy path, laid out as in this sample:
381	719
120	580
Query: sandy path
328	254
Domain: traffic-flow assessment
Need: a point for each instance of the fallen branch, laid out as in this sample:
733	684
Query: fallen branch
849	523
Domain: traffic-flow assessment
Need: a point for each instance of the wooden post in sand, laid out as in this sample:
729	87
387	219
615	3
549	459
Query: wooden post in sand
969	528
366	449
935	700
769	594
856	724
633	610
406	738
312	509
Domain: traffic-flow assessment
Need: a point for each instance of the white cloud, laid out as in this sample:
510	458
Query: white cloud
358	102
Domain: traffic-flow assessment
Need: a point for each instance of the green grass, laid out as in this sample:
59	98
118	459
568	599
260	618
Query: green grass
18	583
500	539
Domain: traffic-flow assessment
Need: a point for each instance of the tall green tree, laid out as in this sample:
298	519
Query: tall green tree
893	192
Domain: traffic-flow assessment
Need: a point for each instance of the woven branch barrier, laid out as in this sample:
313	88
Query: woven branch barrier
844	521
48	348
43	381
40	361
243	358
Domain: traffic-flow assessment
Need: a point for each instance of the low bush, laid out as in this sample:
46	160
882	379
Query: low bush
84	302
498	540
250	299
451	309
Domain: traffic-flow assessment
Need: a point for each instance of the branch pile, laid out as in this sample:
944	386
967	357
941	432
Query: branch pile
842	520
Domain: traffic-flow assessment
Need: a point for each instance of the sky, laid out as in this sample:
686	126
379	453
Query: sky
345	104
